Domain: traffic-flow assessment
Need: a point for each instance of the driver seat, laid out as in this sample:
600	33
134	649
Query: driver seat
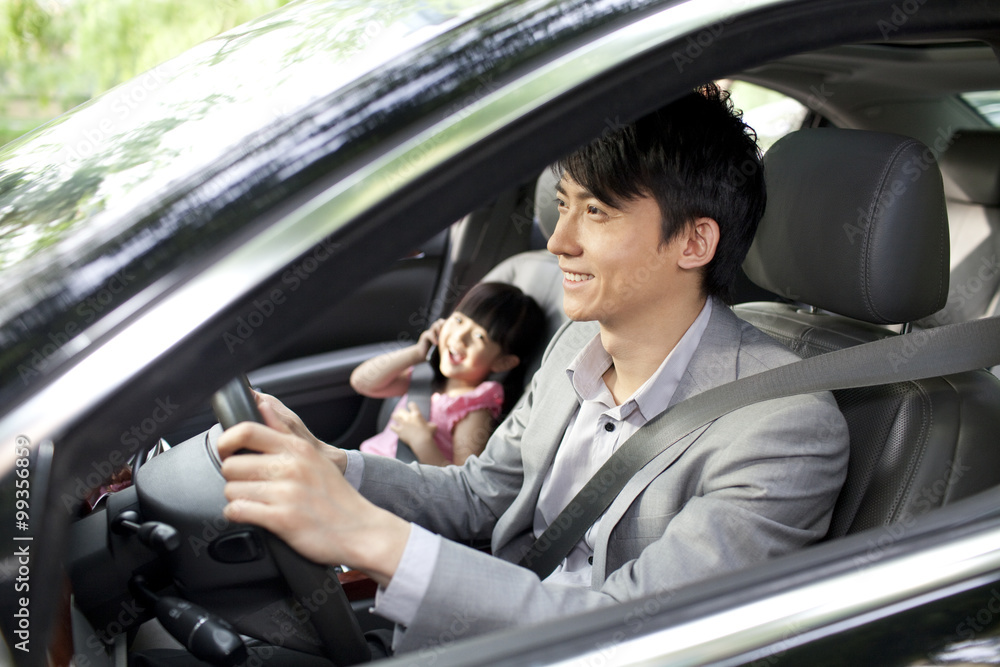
848	231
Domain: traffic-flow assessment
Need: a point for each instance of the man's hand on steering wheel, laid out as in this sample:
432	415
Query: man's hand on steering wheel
239	410
296	491
295	425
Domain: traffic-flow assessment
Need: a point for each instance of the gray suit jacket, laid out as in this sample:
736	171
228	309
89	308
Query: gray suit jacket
755	484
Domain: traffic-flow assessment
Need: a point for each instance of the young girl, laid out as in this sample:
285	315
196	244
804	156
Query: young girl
492	328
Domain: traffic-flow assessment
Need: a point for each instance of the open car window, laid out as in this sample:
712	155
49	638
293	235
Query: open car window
986	103
771	114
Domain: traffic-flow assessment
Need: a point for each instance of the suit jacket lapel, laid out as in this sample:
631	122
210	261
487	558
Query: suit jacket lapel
713	363
542	437
555	402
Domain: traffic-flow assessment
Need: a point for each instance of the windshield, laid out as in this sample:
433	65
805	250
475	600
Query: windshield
175	119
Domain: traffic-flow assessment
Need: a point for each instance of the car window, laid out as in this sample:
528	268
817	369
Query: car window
986	103
770	113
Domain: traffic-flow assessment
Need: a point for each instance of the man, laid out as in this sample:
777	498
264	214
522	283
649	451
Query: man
655	220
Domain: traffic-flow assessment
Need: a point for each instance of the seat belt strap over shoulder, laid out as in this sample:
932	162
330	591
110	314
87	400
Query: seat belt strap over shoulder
944	350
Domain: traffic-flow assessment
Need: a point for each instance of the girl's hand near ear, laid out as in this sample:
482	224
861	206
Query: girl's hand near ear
430	337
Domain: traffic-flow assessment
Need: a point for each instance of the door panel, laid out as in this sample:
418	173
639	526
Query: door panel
312	374
318	389
957	627
386	308
312	377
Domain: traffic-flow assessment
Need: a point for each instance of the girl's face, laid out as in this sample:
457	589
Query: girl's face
468	354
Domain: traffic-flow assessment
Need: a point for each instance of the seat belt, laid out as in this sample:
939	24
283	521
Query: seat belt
943	350
419	393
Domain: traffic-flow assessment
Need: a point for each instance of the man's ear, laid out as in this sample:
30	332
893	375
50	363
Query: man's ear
505	362
701	241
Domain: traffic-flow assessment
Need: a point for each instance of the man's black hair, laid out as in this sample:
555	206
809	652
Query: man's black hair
697	158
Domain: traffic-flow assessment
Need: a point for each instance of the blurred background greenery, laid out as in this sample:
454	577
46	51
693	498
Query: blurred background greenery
57	54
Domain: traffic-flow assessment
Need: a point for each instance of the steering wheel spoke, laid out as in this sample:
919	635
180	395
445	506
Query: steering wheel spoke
315	587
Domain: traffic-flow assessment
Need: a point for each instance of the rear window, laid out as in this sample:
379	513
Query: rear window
770	113
987	103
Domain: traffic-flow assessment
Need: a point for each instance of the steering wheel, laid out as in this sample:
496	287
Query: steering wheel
330	614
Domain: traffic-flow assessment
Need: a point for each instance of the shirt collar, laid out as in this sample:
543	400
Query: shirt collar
586	372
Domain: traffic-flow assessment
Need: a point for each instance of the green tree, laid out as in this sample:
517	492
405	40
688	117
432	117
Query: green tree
56	54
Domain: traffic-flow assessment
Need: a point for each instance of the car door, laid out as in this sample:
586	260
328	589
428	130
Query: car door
311	374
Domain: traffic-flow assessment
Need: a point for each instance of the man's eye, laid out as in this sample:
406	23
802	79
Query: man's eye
560	203
593	210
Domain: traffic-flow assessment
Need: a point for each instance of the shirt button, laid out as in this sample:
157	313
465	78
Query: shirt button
609	427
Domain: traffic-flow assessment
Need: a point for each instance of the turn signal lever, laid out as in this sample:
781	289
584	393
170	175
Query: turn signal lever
204	634
159	537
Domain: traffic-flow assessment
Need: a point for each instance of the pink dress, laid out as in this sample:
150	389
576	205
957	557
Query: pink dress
446	411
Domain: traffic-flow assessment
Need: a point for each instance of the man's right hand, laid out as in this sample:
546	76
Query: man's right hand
294	424
294	490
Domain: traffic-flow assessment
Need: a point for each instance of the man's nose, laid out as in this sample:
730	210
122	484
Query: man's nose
563	241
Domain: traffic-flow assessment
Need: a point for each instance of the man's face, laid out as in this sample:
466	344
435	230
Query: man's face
615	268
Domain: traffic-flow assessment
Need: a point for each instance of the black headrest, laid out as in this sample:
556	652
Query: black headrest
855	224
546	211
971	167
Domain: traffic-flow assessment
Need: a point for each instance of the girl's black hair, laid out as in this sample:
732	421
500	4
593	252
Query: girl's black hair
513	320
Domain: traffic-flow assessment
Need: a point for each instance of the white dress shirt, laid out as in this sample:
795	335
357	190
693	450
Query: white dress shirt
598	429
595	431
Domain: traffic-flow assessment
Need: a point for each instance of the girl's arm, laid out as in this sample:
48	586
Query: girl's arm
386	374
418	433
470	435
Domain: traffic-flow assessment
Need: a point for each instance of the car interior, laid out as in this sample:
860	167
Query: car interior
923	253
904	436
504	240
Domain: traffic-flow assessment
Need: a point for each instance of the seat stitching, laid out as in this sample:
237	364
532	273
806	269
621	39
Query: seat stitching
867	243
927	420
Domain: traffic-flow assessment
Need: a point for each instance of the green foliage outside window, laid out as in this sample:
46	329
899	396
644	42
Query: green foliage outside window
57	54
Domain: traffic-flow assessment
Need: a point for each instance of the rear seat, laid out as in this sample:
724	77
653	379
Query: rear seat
537	272
971	170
